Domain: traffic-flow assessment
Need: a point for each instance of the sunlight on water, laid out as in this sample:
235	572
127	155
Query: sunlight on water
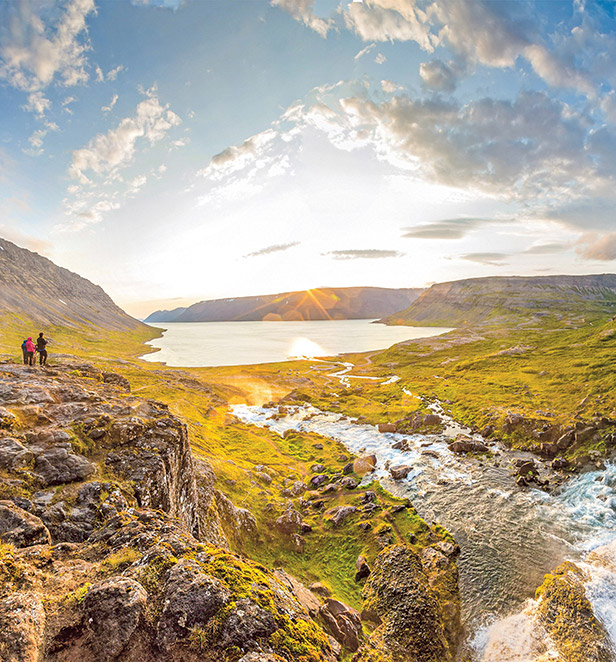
304	348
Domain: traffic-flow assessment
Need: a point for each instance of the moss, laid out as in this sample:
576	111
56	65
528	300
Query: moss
120	559
78	595
14	573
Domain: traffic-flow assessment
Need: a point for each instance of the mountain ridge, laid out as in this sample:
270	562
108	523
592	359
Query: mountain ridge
495	299
46	294
316	304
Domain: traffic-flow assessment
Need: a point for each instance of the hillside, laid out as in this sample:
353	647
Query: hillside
317	304
34	288
502	299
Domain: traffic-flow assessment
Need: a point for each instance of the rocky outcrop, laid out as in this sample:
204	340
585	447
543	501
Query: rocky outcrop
400	596
100	513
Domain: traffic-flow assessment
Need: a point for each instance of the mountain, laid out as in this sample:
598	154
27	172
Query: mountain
318	304
495	299
34	288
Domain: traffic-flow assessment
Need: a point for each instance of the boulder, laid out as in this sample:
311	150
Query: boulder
59	465
565	440
431	419
113	610
7	419
559	463
386	427
290	521
348	483
14	455
116	380
549	450
317	468
22	624
318	480
20	528
348	468
467	446
339	514
192	597
245	625
362	567
342	622
400	471
364	464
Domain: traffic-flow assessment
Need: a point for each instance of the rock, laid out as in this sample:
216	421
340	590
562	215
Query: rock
339	514
348	468
318	447
585	434
317	468
431	419
22	624
398	593
260	657
513	421
400	471
245	625
343	622
318	480
20	528
559	463
567	615
549	450
58	465
386	427
362	567
487	431
113	610
364	464
401	445
116	380
298	488
368	497
306	597
448	548
526	467
290	521
264	478
320	589
14	455
463	446
191	598
348	483
7	419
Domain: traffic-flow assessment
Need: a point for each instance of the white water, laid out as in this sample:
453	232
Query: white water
243	343
510	537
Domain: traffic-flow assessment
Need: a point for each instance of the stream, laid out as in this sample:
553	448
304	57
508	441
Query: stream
510	537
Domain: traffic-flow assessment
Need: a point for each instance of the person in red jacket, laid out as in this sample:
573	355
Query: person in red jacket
29	352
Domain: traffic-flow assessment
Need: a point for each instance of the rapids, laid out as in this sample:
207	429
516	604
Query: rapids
510	537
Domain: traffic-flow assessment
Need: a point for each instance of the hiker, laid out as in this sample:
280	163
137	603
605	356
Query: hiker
29	352
24	351
41	345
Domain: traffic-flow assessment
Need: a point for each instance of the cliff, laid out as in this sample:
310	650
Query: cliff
317	304
495	300
34	288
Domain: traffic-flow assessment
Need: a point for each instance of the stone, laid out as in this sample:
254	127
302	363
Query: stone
113	610
20	528
549	450
364	464
559	463
400	471
431	419
264	478
348	468
318	480
317	468
362	567
22	624
192	597
260	657
463	446
289	522
339	514
298	488
14	455
401	445
320	589
386	427
342	622
348	483
116	380
7	419
245	625
58	465
368	497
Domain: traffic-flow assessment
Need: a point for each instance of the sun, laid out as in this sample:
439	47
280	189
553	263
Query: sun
304	348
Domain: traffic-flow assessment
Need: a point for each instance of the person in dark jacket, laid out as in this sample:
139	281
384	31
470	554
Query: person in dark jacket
24	351
41	345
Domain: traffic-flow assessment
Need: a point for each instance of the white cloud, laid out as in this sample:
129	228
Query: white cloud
37	104
364	51
111	104
380	58
389	86
597	247
112	74
302	10
33	54
115	149
439	76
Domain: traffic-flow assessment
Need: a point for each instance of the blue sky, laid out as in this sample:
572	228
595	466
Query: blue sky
173	151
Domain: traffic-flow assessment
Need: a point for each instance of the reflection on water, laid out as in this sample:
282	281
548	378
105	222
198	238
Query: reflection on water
243	343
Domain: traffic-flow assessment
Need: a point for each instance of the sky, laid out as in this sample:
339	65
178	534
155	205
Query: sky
173	151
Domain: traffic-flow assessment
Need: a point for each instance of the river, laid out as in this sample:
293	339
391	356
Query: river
194	345
509	536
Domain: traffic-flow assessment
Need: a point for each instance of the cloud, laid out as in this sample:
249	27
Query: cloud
389	86
33	53
276	248
363	254
451	228
174	5
380	58
115	149
112	74
37	104
37	138
596	247
111	104
303	10
438	76
491	259
364	51
546	249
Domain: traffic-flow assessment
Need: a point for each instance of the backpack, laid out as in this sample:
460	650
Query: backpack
23	345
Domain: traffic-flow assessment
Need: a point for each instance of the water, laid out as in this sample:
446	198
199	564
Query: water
243	343
510	537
